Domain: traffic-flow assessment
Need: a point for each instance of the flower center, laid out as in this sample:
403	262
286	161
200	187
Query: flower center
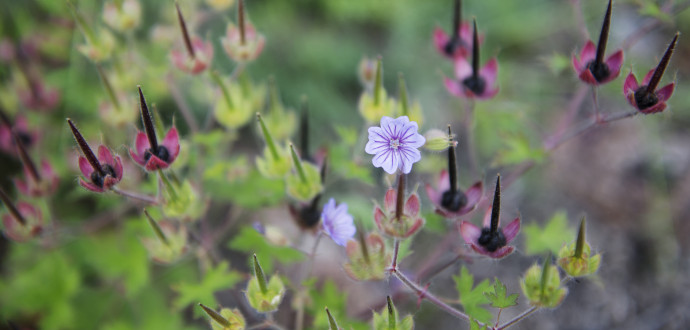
492	241
453	200
452	45
162	153
395	144
99	180
643	99
476	84
600	71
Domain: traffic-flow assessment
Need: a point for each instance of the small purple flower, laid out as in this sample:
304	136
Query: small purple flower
471	81
337	223
394	144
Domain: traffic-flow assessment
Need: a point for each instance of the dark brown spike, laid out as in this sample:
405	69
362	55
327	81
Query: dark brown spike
85	149
452	166
496	206
304	129
11	208
148	122
604	36
185	33
656	77
240	22
475	51
457	19
26	159
400	201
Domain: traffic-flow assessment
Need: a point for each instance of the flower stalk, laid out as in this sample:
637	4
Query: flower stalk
108	87
223	88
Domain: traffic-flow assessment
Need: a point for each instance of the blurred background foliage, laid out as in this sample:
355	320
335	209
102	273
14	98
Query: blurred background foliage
95	273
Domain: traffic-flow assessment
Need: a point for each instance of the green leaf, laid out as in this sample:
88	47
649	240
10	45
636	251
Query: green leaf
251	191
474	325
251	241
517	149
550	238
472	298
215	279
336	301
498	297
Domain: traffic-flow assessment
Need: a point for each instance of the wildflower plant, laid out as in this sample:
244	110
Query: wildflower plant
338	152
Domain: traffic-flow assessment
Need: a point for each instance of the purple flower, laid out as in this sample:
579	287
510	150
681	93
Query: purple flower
591	67
471	80
394	144
147	151
337	223
646	98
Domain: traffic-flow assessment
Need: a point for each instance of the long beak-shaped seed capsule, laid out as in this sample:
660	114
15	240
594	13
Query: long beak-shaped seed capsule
402	93
580	243
545	273
656	77
378	82
85	149
260	277
11	208
452	166
496	206
148	122
215	316
298	164
240	22
457	18
604	36
391	314
156	228
185	33
333	325
304	129
400	201
475	51
362	242
26	159
267	136
108	87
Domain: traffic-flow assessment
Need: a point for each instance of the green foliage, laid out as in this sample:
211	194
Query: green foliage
250	241
336	301
550	238
44	283
471	297
251	190
498	297
517	149
215	279
474	325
